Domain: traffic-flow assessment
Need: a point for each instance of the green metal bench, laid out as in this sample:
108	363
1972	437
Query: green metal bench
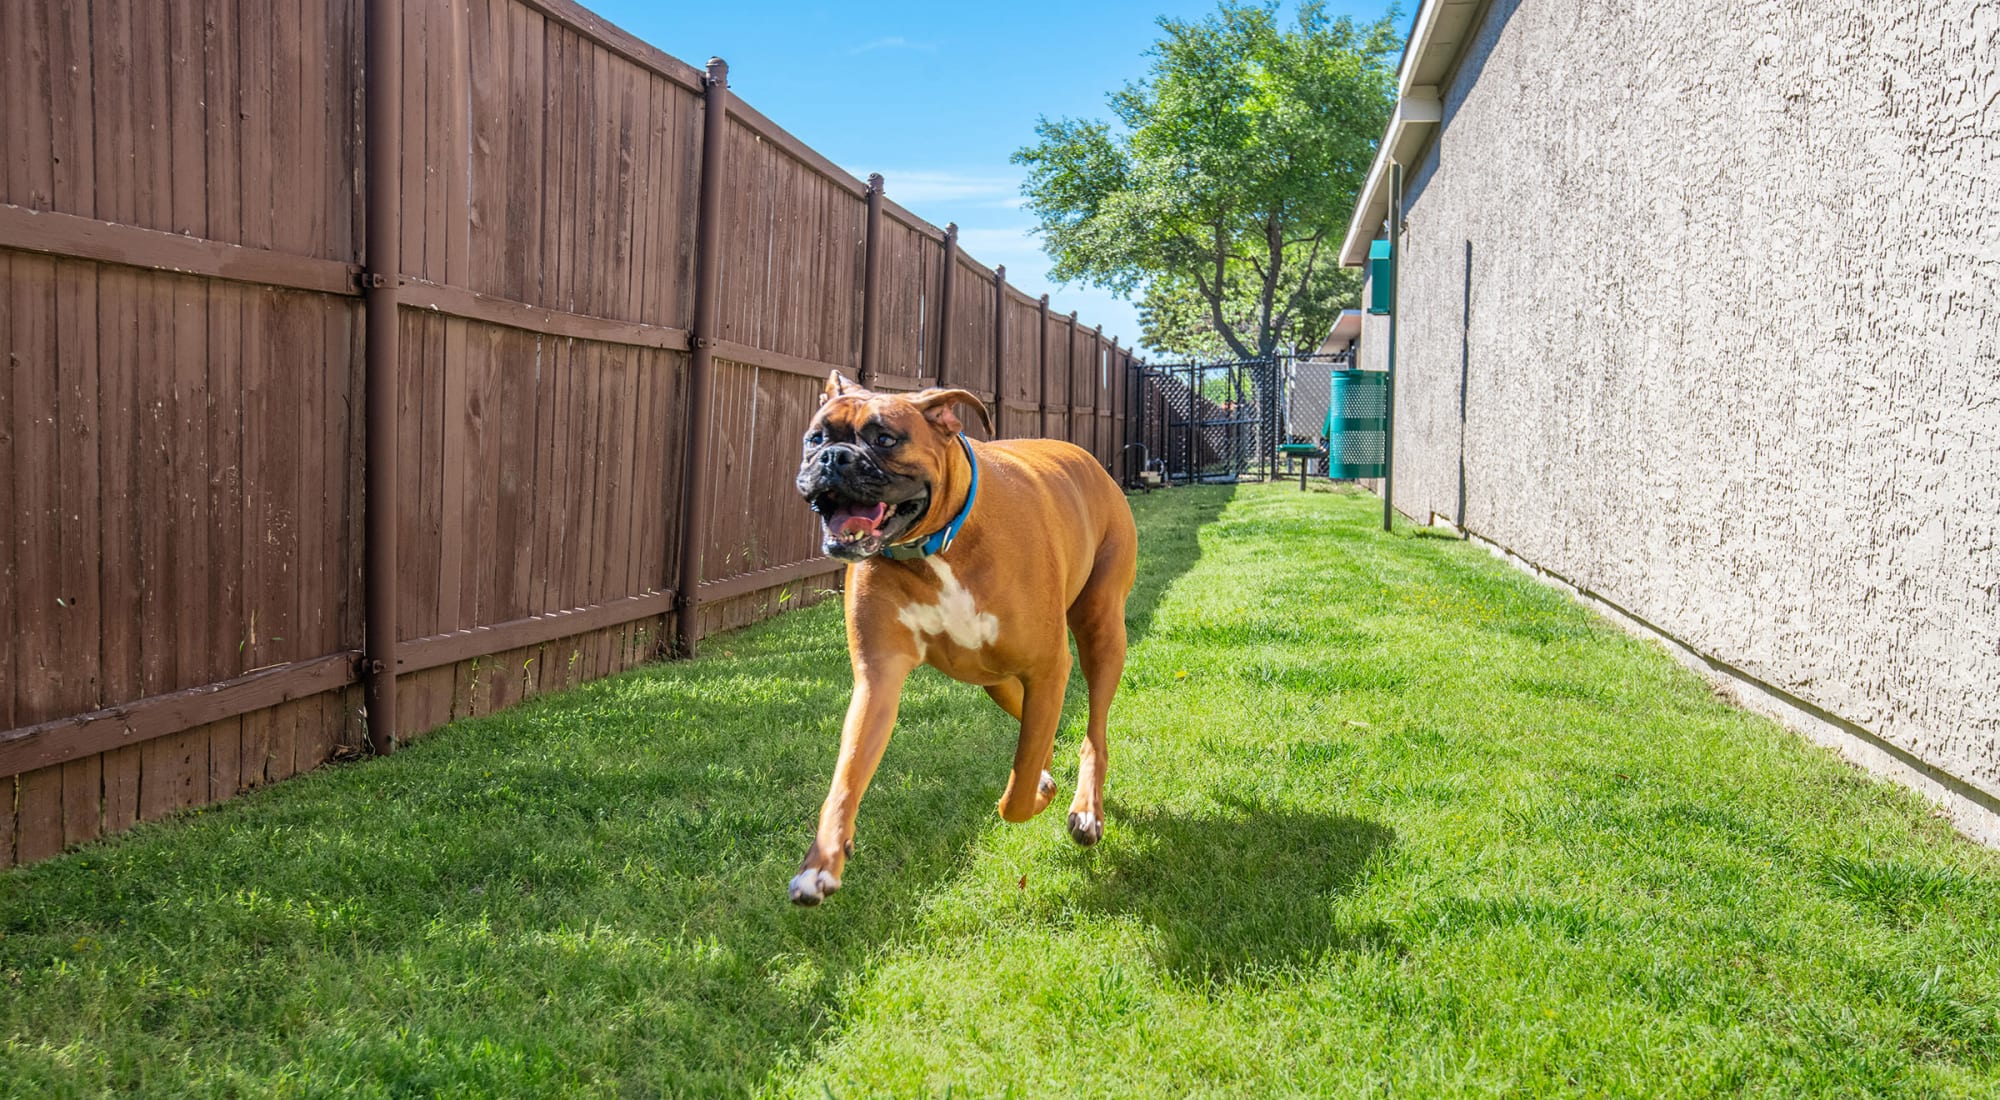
1303	454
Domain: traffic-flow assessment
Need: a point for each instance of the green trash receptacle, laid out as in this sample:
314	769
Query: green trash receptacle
1357	421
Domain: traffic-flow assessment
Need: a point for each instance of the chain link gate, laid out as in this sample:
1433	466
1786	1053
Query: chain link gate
1224	422
1208	422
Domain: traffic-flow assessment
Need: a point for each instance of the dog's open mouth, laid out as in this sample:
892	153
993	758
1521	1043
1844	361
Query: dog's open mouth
855	529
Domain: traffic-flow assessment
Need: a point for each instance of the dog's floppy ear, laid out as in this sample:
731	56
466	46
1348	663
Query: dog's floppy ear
940	408
838	385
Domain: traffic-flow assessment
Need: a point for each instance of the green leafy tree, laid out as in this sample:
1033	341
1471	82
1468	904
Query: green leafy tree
1222	194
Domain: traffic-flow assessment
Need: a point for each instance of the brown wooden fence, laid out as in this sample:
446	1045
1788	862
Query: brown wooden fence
574	396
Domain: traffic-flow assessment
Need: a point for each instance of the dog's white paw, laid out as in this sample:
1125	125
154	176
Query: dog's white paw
812	885
1048	784
1085	828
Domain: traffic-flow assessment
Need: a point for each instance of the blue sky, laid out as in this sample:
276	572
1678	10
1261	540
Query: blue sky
934	96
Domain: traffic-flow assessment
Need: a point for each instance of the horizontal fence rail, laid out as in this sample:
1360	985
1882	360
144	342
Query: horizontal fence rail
374	364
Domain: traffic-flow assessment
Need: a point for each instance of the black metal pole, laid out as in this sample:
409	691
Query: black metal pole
871	279
1389	387
943	317
701	365
382	233
999	342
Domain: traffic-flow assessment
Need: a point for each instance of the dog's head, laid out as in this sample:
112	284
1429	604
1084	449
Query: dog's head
872	460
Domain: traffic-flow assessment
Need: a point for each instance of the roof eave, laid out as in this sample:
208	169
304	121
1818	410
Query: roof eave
1417	113
1438	36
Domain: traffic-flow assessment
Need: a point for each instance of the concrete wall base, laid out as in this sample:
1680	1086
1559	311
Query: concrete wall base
1970	810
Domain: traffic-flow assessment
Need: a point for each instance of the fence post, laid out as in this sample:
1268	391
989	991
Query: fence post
701	362
1069	380
1042	367
1109	402
999	343
871	279
1097	383
944	300
382	233
1122	416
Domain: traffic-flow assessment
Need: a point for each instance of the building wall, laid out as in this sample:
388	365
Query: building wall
1716	285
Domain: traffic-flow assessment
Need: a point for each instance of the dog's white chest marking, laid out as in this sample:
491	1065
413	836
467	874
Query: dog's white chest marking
953	615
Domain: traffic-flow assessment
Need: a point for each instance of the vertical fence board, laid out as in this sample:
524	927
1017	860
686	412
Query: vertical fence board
511	359
89	438
225	761
112	112
455	88
153	483
12	534
99	471
15	527
226	413
304	179
121	788
7	830
521	230
263	134
462	415
552	475
193	568
312	605
25	131
72	124
38	814
282	182
82	800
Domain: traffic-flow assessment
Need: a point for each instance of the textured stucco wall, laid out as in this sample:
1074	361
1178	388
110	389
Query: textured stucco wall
1720	281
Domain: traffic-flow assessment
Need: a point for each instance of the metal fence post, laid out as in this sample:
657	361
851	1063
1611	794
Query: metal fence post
701	365
871	279
382	233
944	300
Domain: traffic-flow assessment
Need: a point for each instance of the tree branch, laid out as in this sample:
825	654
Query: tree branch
1305	280
1215	317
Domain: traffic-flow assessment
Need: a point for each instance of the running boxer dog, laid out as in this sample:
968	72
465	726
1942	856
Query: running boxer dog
969	557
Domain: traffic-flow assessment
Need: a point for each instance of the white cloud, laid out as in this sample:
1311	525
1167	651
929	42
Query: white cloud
893	42
962	189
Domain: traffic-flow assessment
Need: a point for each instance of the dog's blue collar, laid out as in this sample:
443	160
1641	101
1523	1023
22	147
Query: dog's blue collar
940	540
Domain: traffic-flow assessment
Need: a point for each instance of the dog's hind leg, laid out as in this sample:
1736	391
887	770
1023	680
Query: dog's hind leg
1029	786
1098	621
871	715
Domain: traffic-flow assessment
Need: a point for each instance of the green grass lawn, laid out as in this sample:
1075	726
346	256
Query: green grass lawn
1385	819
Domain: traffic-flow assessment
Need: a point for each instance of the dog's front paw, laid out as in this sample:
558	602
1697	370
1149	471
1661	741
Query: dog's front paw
812	885
1086	828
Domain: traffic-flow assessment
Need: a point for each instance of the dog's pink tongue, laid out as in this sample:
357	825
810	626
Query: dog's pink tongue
857	520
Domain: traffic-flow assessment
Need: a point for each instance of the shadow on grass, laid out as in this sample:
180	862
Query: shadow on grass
1239	894
1170	523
